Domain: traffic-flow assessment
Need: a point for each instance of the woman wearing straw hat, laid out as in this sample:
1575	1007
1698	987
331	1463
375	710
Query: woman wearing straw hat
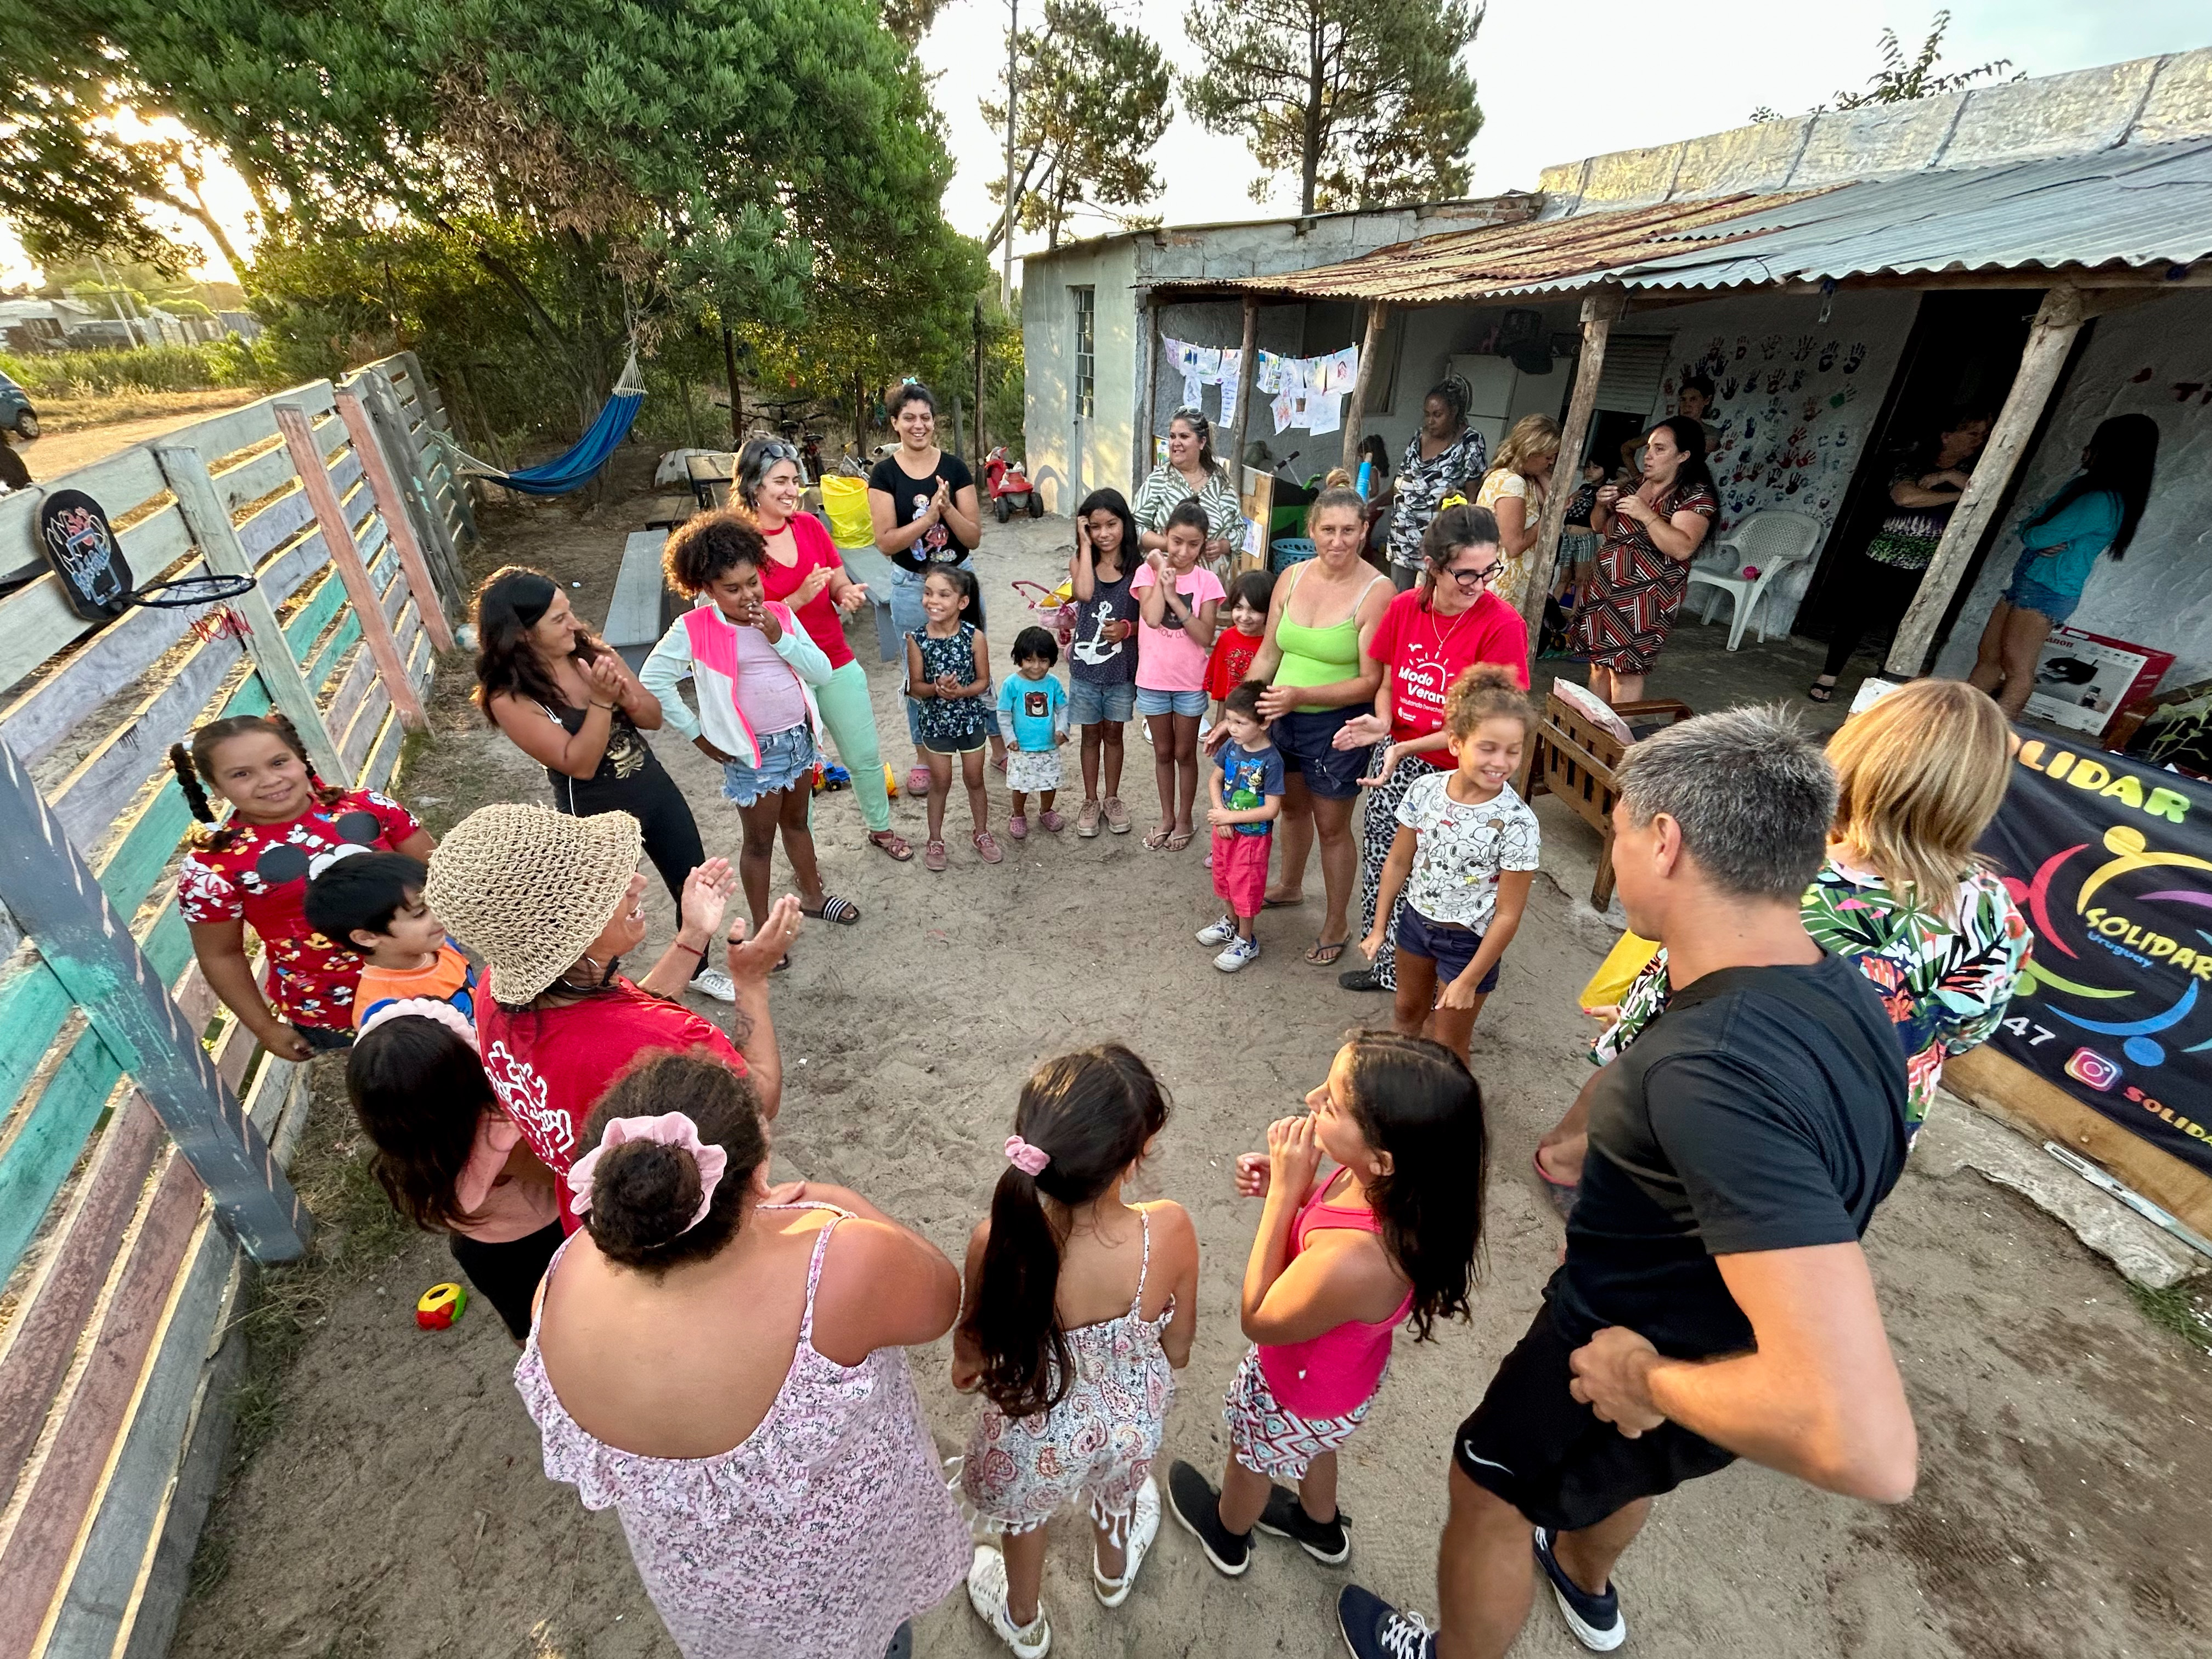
552	904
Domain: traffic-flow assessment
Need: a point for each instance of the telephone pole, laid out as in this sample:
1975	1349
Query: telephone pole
1014	92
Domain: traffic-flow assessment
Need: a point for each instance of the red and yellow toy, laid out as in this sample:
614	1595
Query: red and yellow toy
441	1305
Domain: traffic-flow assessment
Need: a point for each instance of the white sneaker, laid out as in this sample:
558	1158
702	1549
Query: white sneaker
1218	932
1240	952
987	1593
714	983
1144	1527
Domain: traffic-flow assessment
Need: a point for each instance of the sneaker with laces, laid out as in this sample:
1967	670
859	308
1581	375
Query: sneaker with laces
713	982
1198	1509
987	1593
1144	1528
1218	932
1117	816
1242	952
1087	821
1327	1541
1373	1628
1595	1620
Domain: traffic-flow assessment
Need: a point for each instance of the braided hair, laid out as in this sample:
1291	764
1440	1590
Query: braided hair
195	769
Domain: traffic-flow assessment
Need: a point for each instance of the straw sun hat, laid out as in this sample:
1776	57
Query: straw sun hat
529	888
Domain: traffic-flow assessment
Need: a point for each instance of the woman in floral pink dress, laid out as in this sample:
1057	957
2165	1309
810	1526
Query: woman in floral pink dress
718	1363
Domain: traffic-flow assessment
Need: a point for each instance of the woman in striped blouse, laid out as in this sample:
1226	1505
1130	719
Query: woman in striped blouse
1190	471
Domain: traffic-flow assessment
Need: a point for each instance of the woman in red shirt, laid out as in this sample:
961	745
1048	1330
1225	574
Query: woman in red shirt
804	572
552	904
1432	634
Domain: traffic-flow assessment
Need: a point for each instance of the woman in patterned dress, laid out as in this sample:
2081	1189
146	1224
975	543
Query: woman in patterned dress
1191	471
1439	458
1648	538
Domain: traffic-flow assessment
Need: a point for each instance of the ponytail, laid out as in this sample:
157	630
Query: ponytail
188	780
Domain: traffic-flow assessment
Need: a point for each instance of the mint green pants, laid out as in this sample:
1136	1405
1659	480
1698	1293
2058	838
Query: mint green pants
851	718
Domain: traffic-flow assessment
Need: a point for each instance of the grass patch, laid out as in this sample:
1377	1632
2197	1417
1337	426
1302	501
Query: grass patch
2184	1309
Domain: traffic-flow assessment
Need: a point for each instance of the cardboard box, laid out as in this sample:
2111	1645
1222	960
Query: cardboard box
2083	680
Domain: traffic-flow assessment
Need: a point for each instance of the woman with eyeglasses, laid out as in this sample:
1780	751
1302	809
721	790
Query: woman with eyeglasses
921	502
1430	636
804	571
1190	472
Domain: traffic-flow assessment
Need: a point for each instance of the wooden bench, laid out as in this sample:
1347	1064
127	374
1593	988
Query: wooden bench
1579	761
642	606
667	512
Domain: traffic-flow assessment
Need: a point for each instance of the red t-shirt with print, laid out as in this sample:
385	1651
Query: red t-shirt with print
261	876
824	623
1226	670
548	1066
1423	653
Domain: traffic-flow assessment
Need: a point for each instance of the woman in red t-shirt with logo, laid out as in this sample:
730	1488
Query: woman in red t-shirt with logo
1432	634
552	904
805	571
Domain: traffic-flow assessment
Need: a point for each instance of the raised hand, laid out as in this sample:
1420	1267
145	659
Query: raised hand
1293	1155
755	958
707	893
1253	1170
603	675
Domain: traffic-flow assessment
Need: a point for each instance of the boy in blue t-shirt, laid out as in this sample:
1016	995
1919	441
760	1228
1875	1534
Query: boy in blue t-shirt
1033	713
1247	786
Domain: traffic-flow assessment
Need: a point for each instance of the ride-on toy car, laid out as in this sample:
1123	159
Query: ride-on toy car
1009	486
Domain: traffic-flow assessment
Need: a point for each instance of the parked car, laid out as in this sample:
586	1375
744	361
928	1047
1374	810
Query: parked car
15	411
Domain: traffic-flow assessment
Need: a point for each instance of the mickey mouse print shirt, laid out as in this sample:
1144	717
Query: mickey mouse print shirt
1462	849
261	872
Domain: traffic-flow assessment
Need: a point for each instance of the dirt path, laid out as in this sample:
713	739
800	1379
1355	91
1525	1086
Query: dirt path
60	452
399	1509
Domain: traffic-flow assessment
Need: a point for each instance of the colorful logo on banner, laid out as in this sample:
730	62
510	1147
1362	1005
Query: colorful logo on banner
2112	862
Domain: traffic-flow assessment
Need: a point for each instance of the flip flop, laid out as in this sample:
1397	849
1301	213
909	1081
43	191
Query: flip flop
1820	693
1179	839
892	844
1283	904
1157	840
783	966
842	911
1325	956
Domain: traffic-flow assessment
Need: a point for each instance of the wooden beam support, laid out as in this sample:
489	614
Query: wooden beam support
406	455
429	598
1600	311
2041	362
1247	370
50	890
345	559
1140	466
434	412
187	476
1370	348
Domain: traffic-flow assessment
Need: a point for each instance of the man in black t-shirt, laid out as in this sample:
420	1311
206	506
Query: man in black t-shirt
1714	1301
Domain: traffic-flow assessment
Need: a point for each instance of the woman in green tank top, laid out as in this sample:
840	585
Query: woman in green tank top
1319	676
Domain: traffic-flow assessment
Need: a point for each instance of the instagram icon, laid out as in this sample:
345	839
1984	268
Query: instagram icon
2089	1066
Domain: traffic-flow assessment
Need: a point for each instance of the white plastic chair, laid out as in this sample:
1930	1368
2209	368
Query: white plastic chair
1772	540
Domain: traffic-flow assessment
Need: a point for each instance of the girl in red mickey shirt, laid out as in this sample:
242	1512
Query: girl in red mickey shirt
286	824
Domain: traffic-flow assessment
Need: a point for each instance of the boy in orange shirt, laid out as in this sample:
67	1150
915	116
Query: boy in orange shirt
372	904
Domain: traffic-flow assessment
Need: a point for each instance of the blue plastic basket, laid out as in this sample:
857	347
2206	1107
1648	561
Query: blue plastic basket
1287	551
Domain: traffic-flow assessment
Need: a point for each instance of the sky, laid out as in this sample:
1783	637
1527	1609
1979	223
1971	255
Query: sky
1556	81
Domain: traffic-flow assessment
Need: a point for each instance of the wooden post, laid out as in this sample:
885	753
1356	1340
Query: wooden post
1354	417
1248	369
345	558
979	451
53	893
204	515
1142	467
433	406
429	599
2041	362
1600	311
736	397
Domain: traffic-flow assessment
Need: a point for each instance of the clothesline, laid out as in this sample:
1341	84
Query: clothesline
1304	391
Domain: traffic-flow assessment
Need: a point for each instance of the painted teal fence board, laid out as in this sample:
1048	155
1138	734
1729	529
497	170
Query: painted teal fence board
326	659
44	1151
314	617
32	1006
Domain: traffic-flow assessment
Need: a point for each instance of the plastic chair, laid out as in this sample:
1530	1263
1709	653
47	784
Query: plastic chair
1770	541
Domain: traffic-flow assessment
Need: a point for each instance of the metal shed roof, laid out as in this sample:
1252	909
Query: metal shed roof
2143	206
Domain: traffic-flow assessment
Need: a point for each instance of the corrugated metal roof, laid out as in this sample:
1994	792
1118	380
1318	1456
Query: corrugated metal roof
2147	206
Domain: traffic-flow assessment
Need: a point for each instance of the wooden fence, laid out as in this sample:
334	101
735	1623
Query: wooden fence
143	1131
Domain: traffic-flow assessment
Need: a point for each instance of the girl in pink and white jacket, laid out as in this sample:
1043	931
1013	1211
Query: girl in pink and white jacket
753	671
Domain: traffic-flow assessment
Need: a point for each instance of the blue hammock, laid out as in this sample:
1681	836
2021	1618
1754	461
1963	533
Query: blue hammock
577	467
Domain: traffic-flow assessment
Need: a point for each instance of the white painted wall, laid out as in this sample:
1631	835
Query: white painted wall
2160	594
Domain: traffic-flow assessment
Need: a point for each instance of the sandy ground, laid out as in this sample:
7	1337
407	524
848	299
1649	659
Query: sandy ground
65	446
399	1509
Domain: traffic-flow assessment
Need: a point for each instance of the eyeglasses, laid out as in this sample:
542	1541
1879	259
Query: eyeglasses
1473	581
775	449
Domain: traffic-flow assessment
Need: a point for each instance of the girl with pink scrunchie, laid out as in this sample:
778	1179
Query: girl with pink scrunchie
1077	1310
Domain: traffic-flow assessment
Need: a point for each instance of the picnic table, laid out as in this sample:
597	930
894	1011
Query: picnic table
709	473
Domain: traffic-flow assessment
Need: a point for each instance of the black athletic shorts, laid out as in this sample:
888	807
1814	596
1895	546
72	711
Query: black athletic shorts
506	1275
1533	1444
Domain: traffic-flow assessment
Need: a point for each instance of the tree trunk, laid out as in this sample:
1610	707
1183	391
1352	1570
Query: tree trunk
1309	146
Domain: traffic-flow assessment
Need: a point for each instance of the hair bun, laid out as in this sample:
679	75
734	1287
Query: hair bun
1337	479
643	1195
1487	676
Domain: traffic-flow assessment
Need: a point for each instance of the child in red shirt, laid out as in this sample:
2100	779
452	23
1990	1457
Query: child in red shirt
1248	596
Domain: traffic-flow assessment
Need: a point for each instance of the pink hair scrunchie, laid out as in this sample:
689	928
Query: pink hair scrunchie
1029	1160
669	1129
422	1008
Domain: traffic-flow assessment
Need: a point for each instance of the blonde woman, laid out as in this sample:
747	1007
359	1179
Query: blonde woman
1903	893
1513	490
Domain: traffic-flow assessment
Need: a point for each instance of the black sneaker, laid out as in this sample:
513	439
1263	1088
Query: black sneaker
1595	1620
1327	1541
1373	1628
1197	1506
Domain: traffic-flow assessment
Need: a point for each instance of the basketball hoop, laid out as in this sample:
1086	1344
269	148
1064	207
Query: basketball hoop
193	592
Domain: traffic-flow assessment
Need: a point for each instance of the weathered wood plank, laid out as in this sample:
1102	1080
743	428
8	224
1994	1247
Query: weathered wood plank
327	654
277	523
249	481
376	771
32	1005
311	618
49	1136
392	506
153	543
90	799
280	577
121	483
360	674
38	720
366	722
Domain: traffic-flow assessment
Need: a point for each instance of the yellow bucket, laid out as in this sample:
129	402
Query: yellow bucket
846	501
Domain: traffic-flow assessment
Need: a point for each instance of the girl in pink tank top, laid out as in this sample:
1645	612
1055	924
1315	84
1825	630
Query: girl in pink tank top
1342	1259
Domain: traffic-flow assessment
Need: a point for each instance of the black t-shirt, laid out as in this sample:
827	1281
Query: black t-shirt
1763	1110
910	500
1092	658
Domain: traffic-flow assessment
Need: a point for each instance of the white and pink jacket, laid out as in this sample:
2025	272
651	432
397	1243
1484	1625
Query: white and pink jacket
703	647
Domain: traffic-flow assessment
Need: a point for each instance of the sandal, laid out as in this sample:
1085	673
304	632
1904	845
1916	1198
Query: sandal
1820	693
842	911
1051	822
932	856
1117	816
999	761
1017	826
1179	839
891	842
1363	979
1157	840
1087	821
783	966
987	845
1324	955
1283	904
1559	1194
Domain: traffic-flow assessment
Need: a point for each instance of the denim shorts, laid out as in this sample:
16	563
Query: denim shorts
2026	593
1193	703
1308	746
786	757
1451	948
1089	704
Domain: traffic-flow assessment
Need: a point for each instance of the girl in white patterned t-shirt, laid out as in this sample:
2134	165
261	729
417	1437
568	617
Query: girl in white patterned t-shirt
1464	854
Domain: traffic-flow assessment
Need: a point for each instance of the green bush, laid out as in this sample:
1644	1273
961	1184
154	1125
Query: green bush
90	373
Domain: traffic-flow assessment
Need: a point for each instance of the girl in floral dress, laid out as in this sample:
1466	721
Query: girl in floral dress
1078	1309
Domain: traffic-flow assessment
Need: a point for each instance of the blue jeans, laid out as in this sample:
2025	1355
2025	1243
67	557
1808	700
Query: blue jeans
1190	703
907	617
2024	592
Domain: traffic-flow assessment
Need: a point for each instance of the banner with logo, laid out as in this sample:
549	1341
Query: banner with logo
2110	860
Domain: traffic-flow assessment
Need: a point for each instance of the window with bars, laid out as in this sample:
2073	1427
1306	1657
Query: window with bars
1086	336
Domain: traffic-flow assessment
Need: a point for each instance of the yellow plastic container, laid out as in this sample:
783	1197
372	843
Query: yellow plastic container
846	501
1619	970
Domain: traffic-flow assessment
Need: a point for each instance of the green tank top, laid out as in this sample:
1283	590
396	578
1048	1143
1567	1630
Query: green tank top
1318	656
